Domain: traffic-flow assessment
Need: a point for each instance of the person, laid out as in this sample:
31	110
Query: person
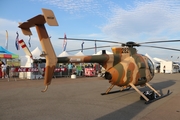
70	67
164	69
3	68
7	71
78	70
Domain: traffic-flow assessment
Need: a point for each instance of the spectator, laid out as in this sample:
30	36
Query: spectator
70	67
79	70
164	69
3	68
7	71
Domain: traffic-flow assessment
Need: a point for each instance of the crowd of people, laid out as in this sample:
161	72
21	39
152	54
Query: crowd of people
79	69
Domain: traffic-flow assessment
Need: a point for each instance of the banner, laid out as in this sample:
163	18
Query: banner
6	44
31	69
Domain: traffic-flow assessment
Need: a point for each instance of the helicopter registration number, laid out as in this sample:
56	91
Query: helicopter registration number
125	50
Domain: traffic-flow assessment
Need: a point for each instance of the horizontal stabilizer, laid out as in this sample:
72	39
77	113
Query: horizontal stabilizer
37	20
25	30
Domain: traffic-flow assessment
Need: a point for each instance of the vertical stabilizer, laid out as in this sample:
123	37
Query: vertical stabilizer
49	17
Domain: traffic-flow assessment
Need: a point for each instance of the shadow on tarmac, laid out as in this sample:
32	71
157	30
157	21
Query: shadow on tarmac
130	111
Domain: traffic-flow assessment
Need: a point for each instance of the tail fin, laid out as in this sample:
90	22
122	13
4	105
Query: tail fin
39	21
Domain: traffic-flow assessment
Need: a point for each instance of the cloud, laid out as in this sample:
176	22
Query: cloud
148	18
138	21
74	6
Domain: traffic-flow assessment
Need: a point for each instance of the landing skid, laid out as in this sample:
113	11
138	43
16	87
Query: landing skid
106	93
158	97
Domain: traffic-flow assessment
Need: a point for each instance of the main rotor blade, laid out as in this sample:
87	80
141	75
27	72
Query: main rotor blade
160	41
89	48
76	39
161	47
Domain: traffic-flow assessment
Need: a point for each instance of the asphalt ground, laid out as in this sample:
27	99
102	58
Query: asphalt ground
81	99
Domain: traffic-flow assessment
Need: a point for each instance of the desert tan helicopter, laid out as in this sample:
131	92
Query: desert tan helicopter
124	68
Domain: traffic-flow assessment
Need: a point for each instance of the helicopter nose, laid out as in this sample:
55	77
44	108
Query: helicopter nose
108	76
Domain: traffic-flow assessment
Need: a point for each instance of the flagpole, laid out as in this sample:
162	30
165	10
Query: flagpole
6	39
95	47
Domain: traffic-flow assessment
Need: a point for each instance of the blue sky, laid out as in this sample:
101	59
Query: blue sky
115	20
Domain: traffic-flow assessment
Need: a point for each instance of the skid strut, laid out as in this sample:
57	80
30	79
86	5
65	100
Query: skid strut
108	90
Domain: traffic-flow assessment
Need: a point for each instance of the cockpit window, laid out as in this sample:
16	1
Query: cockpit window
151	67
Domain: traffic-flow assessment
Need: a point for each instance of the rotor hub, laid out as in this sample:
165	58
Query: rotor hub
130	44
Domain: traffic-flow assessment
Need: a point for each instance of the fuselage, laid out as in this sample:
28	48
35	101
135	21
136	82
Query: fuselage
131	68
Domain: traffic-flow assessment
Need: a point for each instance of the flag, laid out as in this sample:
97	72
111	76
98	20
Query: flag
82	46
64	43
29	41
17	41
95	48
6	44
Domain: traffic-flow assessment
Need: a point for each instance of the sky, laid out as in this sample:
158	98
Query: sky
112	20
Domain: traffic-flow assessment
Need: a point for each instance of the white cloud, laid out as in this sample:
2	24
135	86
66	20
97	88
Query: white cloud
151	18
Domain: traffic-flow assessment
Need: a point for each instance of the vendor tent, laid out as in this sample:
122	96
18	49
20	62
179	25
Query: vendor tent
36	53
79	54
100	52
26	60
63	54
7	54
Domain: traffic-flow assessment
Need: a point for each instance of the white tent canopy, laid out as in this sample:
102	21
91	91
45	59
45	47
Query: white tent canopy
63	54
26	60
159	60
100	52
79	54
36	53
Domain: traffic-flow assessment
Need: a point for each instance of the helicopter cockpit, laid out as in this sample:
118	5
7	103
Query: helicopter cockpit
151	66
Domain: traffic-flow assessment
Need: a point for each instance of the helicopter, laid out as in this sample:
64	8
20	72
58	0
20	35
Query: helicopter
124	68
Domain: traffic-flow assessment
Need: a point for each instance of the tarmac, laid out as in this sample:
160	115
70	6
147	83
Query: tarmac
81	99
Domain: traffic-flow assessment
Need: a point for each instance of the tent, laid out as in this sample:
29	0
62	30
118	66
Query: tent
159	60
36	53
7	54
63	54
100	52
26	61
79	54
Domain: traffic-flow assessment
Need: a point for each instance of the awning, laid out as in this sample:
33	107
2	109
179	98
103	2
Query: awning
7	54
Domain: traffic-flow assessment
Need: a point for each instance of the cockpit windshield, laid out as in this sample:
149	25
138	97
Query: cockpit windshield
151	67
